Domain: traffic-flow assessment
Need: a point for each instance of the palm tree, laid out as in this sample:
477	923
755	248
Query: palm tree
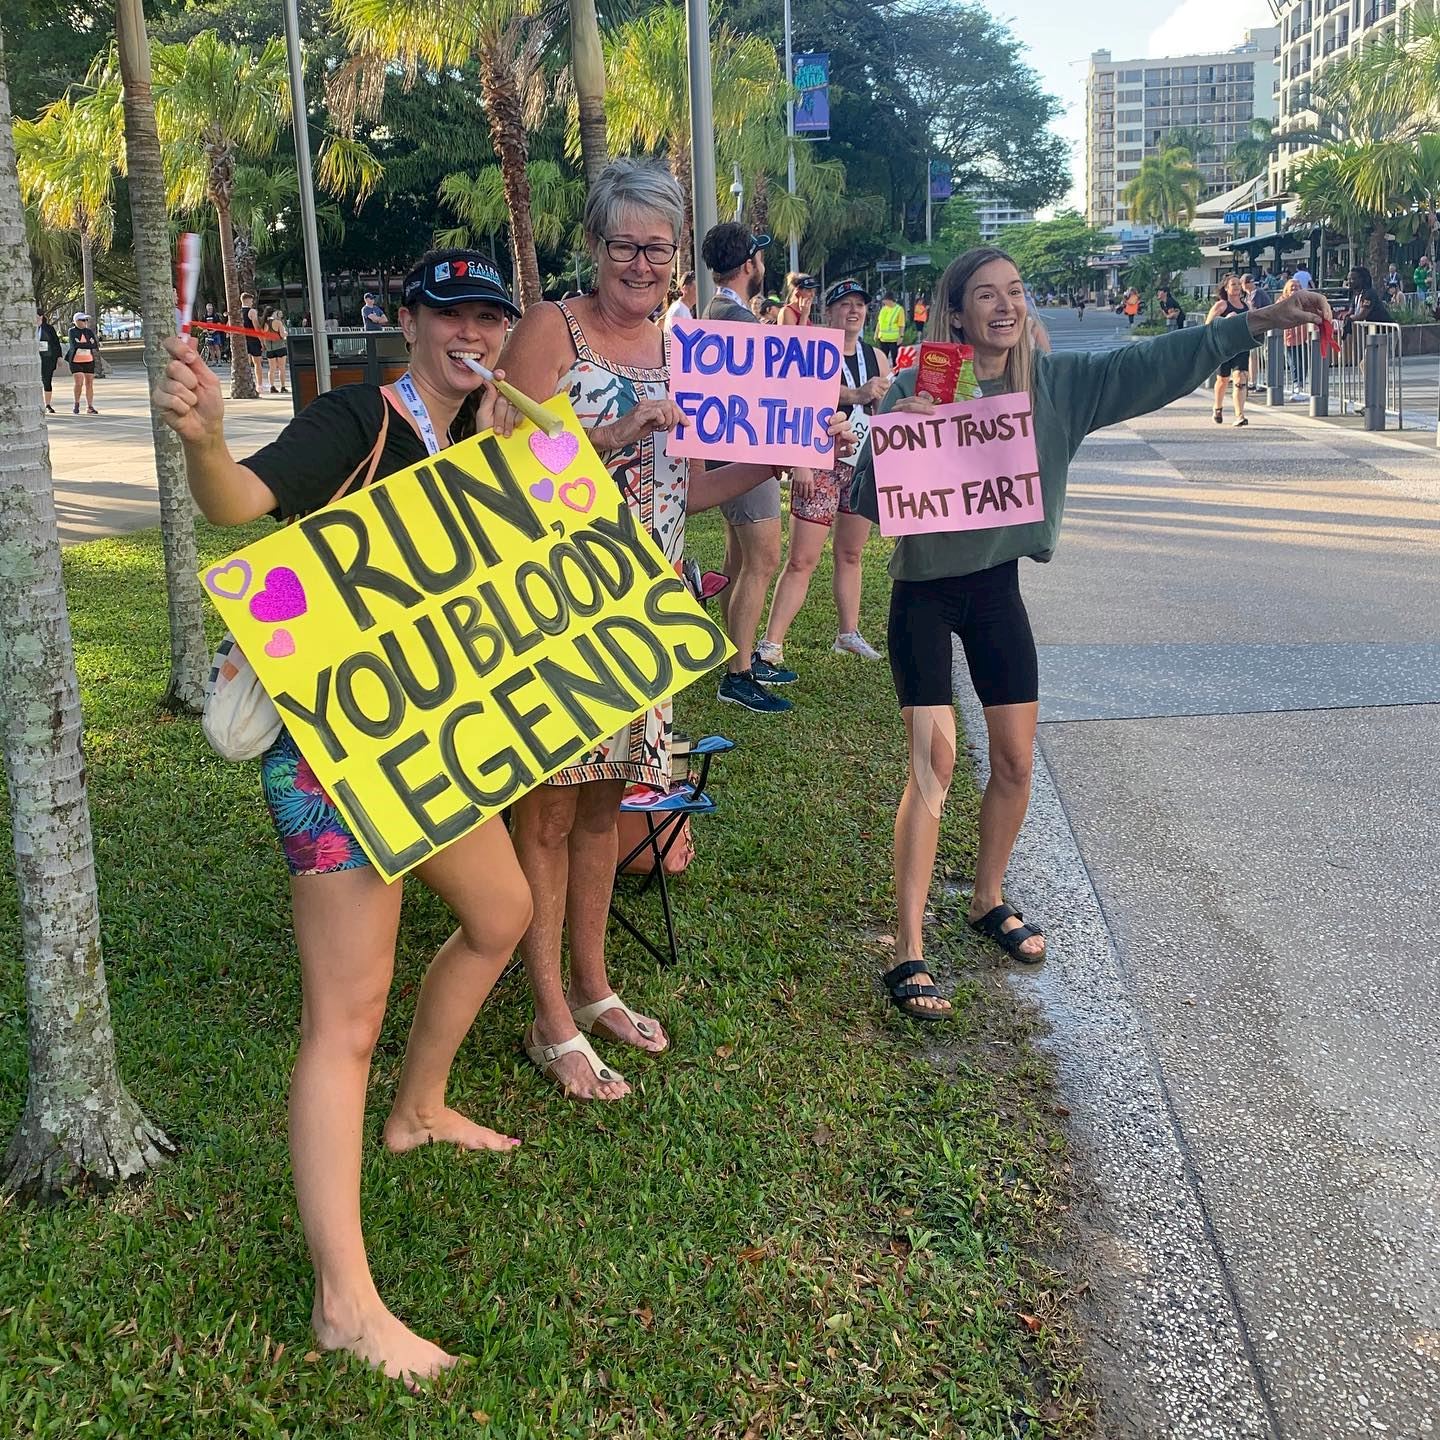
587	68
189	655
1323	194
1402	67
217	103
1251	154
1166	191
506	38
80	1127
478	201
647	103
67	162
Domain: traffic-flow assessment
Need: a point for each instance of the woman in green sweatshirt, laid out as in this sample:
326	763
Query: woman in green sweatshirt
966	583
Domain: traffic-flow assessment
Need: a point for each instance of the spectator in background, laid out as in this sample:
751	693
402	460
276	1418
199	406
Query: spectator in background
767	308
1365	301
683	307
800	292
1296	349
921	312
1170	309
372	313
1131	305
82	349
275	350
48	342
254	346
1422	279
889	326
1256	296
1302	276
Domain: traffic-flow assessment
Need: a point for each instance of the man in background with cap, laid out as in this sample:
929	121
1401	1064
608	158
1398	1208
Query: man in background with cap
736	259
372	313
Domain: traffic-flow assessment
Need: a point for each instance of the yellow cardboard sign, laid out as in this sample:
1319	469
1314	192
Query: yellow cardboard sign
443	641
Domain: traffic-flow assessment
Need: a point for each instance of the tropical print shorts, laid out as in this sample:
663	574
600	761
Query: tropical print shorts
314	837
831	497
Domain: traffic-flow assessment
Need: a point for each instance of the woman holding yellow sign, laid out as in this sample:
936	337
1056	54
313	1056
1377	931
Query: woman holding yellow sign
604	352
956	571
456	310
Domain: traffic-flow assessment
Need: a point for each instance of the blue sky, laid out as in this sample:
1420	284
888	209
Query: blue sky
1058	36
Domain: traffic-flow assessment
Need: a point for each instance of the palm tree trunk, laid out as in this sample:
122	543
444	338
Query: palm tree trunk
87	275
189	653
507	132
242	378
587	66
760	204
245	261
1379	249
679	148
79	1128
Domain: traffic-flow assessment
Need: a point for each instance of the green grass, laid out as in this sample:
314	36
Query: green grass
812	1219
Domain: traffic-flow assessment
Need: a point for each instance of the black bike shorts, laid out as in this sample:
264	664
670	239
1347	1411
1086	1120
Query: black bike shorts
1240	364
986	611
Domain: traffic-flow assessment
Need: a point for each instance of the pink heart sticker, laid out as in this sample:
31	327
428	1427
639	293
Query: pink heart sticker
555	452
229	581
280	644
576	488
281	598
543	489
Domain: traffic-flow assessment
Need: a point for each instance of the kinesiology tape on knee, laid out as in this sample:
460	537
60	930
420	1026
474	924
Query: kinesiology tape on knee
931	724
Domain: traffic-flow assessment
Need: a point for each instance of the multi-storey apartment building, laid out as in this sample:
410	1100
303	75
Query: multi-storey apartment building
996	215
1313	35
1131	105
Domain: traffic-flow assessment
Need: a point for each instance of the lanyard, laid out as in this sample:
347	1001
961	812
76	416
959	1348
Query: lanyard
861	372
405	389
729	294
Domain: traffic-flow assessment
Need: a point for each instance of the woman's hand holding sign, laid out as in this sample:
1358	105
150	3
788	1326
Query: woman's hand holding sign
647	417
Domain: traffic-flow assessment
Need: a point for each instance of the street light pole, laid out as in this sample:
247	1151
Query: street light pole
702	139
790	131
928	163
309	229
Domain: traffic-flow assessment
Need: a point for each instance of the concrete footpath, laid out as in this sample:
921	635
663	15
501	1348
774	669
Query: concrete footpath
1234	847
104	465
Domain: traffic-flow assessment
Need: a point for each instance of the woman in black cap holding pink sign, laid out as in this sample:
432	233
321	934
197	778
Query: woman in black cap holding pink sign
964	583
346	915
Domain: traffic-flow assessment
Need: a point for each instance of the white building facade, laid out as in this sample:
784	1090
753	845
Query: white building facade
1131	106
997	216
1313	35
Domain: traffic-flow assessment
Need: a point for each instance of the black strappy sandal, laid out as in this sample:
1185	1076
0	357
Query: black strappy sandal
991	926
903	996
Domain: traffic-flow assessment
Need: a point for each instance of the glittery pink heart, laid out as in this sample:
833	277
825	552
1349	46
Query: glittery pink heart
543	489
555	452
571	491
282	598
280	644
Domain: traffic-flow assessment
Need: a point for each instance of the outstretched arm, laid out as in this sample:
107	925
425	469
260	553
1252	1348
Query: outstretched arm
1095	389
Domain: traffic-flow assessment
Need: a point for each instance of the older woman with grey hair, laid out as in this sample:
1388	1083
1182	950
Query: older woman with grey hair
604	352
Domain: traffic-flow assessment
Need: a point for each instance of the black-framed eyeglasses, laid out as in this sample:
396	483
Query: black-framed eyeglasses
659	252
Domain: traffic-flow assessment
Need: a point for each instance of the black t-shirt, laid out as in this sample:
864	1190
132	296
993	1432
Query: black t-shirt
1374	307
81	337
308	461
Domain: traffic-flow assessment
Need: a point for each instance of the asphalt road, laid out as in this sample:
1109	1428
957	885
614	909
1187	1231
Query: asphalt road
1235	848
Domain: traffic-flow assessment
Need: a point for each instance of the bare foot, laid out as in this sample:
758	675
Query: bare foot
405	1132
572	1073
616	1025
379	1339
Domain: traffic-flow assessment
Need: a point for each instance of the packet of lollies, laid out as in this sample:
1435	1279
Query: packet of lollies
947	372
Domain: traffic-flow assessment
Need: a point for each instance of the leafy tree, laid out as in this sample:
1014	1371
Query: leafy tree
1056	252
648	96
67	162
506	39
1166	190
1250	155
478	201
80	1128
957	230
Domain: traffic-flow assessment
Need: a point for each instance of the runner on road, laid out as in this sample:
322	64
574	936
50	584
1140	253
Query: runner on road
966	582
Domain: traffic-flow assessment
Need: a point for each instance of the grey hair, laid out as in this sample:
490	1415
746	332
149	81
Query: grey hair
630	186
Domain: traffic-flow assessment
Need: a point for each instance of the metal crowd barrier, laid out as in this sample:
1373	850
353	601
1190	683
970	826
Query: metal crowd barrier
1366	378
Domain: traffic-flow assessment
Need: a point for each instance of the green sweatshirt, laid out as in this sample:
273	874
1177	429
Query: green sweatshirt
1075	393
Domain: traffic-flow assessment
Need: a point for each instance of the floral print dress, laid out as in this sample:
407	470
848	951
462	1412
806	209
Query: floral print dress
654	485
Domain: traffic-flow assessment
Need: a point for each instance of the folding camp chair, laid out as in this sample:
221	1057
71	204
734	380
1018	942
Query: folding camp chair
664	815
